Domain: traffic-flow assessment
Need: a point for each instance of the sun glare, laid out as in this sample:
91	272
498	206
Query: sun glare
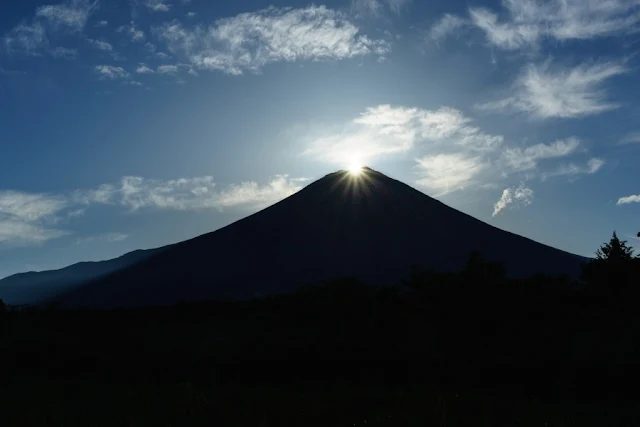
355	169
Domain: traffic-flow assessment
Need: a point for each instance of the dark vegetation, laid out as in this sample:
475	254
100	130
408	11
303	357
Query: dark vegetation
470	348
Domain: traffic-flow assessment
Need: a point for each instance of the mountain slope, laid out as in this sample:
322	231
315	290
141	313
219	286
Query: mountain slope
31	287
374	228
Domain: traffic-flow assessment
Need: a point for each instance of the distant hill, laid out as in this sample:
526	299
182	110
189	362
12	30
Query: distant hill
371	227
31	287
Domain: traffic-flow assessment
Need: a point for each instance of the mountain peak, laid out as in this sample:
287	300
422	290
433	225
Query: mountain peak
367	226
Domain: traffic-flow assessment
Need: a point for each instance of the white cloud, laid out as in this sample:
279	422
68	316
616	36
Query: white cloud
25	38
101	45
188	194
572	170
249	41
528	22
25	218
158	5
63	52
445	27
520	196
71	14
387	129
252	195
444	173
190	14
520	160
565	93
630	138
162	55
30	37
167	69
143	69
629	199
150	47
378	7
101	24
110	72
134	33
107	237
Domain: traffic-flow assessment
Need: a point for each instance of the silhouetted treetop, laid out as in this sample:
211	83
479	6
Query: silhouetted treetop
615	250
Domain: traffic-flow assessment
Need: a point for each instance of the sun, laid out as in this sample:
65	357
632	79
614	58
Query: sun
355	169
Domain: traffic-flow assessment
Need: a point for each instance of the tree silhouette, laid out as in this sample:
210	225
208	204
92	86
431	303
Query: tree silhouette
612	270
615	250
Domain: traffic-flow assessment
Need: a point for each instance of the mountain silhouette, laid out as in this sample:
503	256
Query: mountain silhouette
33	286
369	226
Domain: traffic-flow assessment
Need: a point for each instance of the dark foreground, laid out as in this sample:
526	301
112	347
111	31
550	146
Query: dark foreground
446	351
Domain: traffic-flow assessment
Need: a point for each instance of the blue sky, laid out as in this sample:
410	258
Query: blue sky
130	124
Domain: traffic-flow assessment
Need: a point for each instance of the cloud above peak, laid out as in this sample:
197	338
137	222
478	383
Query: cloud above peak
543	92
387	129
249	41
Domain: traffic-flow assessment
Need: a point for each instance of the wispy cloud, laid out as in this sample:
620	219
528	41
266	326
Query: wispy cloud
188	194
190	14
27	219
444	173
107	237
387	129
378	7
528	22
63	52
445	27
519	159
143	69
101	24
572	170
168	69
513	197
72	14
101	45
629	199
630	138
545	93
132	31
249	41
110	72
158	5
31	37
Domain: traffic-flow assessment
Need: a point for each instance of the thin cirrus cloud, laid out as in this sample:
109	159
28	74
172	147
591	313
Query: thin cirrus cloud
542	92
445	27
444	173
111	72
528	22
32	37
29	219
249	41
107	237
167	69
101	45
513	197
379	7
386	129
572	170
518	159
629	199
188	194
143	69
132	32
158	6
